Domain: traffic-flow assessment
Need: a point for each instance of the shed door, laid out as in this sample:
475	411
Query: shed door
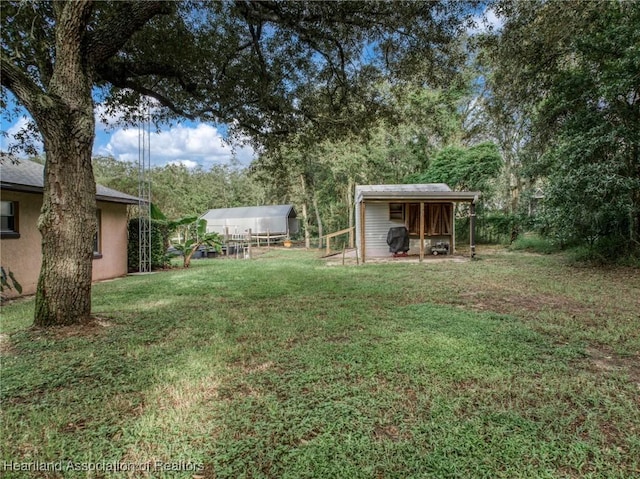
438	219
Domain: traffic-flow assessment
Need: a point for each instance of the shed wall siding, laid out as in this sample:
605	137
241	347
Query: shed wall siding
377	224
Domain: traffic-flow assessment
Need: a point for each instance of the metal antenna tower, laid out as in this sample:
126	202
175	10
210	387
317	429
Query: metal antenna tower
144	190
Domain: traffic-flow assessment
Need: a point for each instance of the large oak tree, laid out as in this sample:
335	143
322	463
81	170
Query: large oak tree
246	63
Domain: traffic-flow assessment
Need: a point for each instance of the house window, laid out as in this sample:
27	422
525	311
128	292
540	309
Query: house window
396	211
9	219
97	239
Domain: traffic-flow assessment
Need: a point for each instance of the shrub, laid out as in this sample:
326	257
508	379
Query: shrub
159	241
535	243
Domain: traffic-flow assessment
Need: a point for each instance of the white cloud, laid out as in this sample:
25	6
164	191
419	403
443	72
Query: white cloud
189	144
107	121
20	126
485	22
201	144
110	120
190	164
17	126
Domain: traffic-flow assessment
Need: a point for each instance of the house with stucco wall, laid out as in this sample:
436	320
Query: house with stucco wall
21	187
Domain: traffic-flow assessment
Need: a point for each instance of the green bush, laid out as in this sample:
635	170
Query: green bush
159	240
491	227
605	250
535	243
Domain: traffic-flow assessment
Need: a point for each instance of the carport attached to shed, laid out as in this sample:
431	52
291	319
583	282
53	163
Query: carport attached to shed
425	209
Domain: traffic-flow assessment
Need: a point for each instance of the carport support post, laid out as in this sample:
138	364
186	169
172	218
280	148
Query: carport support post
472	228
362	231
226	240
421	231
453	228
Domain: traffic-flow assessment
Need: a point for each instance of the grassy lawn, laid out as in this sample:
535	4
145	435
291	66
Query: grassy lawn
515	365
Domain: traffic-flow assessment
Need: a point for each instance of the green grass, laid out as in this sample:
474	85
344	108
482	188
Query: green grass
514	366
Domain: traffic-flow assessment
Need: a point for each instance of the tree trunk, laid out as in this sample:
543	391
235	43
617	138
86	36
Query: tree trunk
305	215
67	223
68	217
189	255
350	209
318	219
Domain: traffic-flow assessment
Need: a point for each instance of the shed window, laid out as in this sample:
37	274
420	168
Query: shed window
9	219
396	211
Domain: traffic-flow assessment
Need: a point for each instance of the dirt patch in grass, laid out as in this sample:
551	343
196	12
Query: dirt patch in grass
499	302
94	326
390	433
605	361
6	348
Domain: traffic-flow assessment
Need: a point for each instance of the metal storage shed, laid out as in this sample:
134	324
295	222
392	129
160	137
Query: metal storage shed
273	220
426	210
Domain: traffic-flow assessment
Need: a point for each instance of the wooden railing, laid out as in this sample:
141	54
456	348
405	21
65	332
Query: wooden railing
328	237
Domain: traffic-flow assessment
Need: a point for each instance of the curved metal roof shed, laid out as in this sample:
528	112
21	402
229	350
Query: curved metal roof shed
261	220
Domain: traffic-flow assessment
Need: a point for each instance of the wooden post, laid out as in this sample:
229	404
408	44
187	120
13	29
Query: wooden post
226	240
421	231
328	249
249	243
362	231
453	228
472	229
268	239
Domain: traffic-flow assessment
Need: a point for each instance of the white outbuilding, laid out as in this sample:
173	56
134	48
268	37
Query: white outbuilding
423	212
274	220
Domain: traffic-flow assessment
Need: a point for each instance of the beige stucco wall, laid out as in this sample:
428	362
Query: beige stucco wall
23	255
113	242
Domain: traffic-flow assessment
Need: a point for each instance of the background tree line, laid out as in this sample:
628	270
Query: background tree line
179	191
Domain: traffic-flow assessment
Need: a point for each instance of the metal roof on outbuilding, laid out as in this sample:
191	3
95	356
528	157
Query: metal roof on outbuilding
28	176
421	191
271	219
271	211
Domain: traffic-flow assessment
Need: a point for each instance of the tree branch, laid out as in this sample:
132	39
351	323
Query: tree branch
129	17
163	100
19	83
119	72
